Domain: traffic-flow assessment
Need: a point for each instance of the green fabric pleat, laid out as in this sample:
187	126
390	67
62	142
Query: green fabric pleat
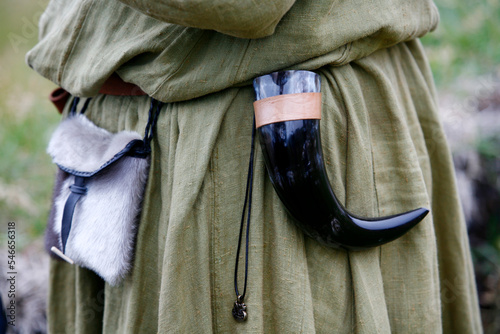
385	153
159	46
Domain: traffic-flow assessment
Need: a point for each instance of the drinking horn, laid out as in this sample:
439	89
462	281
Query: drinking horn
287	114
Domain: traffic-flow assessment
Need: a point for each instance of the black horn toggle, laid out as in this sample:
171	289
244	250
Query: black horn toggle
289	135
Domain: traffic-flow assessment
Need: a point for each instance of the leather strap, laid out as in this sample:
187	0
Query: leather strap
78	189
287	107
114	85
59	97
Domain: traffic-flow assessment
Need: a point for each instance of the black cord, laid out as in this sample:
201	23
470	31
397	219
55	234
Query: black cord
152	119
74	106
239	310
84	109
72	111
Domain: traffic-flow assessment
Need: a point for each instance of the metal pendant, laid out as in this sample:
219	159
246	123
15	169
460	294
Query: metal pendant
239	310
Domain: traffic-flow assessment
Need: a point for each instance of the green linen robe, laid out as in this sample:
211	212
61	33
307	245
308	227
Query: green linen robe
384	148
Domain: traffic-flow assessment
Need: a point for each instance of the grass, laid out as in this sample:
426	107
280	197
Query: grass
466	42
26	121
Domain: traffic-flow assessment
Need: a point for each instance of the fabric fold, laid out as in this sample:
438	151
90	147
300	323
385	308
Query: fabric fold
381	140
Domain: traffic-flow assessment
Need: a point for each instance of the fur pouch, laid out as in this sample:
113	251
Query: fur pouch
97	196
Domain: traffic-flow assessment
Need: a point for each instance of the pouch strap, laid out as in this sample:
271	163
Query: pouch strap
74	106
152	119
78	189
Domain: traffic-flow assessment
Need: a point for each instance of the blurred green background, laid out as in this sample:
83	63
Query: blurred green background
467	42
464	52
26	122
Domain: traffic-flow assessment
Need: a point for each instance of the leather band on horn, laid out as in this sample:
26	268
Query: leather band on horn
287	107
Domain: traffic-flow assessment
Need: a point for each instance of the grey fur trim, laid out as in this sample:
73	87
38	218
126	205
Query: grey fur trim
79	144
104	225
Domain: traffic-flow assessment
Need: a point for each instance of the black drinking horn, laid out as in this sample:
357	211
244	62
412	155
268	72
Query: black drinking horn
287	113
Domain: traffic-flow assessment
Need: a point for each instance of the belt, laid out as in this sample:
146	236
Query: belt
114	85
